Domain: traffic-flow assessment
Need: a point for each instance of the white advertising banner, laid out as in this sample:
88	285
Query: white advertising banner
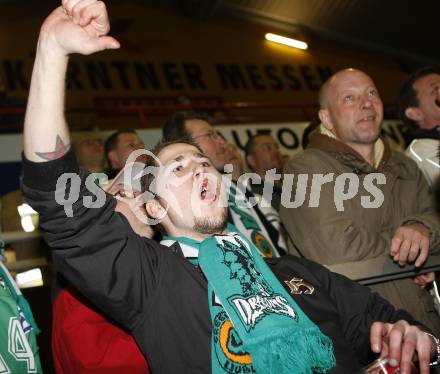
288	135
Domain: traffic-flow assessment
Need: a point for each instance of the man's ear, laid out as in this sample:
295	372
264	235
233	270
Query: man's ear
250	159
154	209
324	116
414	113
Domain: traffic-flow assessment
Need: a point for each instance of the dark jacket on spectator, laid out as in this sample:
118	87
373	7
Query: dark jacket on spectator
155	293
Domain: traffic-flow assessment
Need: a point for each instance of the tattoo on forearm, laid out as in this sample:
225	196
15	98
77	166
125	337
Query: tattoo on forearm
60	150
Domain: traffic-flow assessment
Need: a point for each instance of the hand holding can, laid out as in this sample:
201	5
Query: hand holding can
381	366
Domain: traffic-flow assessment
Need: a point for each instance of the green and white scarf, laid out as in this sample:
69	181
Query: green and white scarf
256	326
16	294
247	222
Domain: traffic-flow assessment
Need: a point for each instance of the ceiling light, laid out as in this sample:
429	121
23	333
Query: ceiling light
286	41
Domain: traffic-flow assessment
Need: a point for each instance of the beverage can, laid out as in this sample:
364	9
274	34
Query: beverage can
381	366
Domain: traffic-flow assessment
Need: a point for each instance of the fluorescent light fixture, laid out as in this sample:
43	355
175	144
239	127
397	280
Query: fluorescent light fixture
286	41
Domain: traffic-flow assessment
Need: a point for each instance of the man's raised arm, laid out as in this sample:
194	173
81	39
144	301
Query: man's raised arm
77	26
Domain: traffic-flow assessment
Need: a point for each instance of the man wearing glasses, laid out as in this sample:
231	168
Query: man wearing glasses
250	220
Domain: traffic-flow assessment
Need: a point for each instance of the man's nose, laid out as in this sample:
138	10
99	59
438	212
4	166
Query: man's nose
198	169
366	102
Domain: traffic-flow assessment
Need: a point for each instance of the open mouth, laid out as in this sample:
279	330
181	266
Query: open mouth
437	102
207	191
370	118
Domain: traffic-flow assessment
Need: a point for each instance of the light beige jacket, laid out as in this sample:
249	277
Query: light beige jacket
329	236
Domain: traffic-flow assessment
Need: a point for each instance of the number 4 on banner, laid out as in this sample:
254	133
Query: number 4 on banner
18	345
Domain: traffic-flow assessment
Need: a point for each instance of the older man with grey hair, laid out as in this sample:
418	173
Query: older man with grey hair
365	199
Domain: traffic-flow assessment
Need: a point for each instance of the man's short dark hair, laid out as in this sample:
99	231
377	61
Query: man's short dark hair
175	126
111	142
407	95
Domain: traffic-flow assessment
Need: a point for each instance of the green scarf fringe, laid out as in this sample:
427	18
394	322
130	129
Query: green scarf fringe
299	360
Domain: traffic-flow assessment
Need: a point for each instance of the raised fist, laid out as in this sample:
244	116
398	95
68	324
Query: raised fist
77	26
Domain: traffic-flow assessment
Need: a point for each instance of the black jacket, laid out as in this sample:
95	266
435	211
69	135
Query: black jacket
162	299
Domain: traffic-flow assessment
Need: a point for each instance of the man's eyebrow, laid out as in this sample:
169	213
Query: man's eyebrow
176	159
181	157
199	155
195	154
346	89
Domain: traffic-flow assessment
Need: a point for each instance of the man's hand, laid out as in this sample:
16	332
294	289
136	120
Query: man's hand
410	243
399	342
78	26
423	280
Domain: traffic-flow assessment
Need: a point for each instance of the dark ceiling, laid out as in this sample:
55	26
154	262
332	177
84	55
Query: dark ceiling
404	28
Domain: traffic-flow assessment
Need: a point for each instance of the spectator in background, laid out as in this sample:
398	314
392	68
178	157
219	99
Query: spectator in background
118	147
418	106
250	220
233	157
262	154
198	128
89	151
401	221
